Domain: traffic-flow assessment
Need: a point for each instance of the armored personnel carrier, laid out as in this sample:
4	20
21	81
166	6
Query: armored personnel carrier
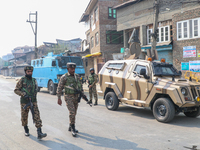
149	84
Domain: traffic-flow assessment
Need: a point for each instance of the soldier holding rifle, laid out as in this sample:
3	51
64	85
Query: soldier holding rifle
27	88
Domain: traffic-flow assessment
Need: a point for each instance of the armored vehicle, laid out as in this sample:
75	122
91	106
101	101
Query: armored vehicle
149	84
49	69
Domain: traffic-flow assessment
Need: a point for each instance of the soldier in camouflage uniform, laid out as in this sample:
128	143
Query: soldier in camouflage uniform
27	88
68	82
92	80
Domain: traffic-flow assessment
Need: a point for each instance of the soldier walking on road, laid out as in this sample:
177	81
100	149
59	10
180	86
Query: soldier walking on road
69	82
27	88
92	80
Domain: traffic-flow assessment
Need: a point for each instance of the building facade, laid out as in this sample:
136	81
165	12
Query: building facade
101	35
186	44
139	15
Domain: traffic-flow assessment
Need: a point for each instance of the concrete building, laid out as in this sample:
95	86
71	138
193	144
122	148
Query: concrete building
139	15
101	34
186	39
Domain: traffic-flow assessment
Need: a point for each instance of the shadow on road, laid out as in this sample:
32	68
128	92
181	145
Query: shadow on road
109	143
143	113
182	120
60	144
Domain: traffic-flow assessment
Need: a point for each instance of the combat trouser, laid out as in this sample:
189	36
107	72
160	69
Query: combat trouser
24	115
72	105
93	91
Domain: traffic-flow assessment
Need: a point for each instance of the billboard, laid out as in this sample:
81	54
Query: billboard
189	51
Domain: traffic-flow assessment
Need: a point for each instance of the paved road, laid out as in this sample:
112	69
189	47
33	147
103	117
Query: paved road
100	129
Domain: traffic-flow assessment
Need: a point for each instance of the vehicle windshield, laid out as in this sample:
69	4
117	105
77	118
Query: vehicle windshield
77	60
163	69
63	61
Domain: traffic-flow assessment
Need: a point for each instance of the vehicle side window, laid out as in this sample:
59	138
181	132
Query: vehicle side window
139	67
53	63
37	62
33	63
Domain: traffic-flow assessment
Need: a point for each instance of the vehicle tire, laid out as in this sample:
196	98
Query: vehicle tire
111	101
193	114
52	88
38	90
163	110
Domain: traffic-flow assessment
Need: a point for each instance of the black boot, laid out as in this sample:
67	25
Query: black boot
40	134
26	131
70	129
73	130
95	103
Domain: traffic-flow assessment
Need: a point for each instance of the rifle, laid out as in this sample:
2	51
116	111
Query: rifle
82	95
29	104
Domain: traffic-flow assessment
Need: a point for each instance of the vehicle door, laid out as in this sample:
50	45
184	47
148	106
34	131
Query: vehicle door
142	85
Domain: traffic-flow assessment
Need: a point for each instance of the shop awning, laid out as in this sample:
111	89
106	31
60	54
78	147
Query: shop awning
93	55
159	47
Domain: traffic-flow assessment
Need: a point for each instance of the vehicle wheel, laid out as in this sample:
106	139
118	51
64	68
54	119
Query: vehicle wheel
111	101
193	113
52	88
163	110
38	90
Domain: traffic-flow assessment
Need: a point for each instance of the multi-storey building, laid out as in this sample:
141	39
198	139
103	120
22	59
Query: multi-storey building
101	35
178	28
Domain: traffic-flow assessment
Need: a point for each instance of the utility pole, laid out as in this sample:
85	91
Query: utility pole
34	31
153	53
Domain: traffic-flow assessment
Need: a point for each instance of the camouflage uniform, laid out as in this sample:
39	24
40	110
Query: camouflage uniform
93	79
71	98
28	84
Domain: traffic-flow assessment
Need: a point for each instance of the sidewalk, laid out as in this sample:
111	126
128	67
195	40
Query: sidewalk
85	87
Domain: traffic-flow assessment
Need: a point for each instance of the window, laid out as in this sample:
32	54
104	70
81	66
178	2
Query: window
96	14
149	31
188	29
196	30
92	42
33	63
37	62
139	67
97	38
91	20
114	37
88	38
117	66
163	34
112	13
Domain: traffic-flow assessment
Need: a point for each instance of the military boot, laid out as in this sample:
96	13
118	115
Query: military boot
26	131
95	103
73	130
40	134
70	129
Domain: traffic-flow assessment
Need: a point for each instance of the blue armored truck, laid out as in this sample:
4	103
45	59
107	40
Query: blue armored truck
49	69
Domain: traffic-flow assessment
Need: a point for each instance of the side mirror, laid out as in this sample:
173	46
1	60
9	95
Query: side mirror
143	73
180	73
54	63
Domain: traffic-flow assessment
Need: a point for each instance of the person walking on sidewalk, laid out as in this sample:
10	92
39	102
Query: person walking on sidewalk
70	82
26	87
92	80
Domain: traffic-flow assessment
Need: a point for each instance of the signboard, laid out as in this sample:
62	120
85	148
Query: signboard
185	66
189	51
198	53
195	66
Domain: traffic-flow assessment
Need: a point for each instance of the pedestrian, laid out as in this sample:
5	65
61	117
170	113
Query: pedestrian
69	82
92	80
27	87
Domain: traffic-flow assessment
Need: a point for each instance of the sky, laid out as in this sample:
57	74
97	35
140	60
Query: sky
57	19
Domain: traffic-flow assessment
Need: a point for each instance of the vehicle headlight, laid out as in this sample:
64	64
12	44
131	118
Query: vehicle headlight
184	91
197	99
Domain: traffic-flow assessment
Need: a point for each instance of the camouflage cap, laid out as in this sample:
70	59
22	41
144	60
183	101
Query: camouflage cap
28	68
71	65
